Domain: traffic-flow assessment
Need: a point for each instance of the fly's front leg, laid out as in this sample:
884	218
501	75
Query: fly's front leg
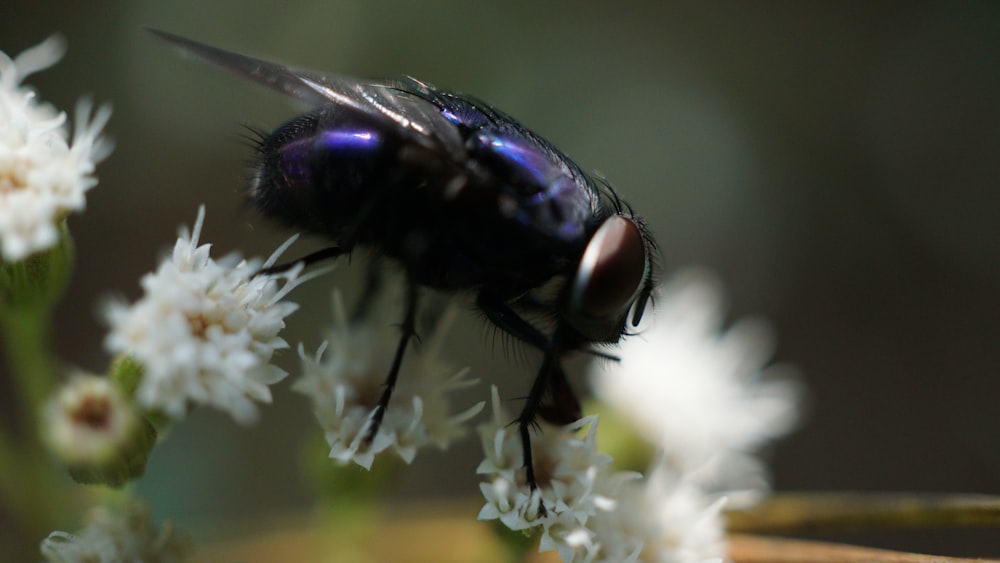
564	407
550	378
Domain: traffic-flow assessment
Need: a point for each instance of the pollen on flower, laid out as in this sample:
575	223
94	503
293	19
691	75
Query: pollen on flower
44	173
205	330
344	380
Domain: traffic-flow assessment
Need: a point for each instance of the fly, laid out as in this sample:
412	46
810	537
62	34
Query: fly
465	199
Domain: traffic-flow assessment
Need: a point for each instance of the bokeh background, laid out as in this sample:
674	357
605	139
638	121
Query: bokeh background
836	164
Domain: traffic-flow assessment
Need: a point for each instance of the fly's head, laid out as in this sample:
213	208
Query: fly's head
613	281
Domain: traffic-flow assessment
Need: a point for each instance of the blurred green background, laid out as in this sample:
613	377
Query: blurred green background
836	164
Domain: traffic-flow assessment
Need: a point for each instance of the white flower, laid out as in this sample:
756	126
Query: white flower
110	538
205	330
43	172
688	521
664	518
345	378
701	394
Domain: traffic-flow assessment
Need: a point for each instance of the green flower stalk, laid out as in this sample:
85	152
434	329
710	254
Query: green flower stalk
29	289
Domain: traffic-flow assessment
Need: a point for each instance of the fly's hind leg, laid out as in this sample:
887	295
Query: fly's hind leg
407	331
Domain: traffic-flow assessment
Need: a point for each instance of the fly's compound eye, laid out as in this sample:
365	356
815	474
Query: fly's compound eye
610	275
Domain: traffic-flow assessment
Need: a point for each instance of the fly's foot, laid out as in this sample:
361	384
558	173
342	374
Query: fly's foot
524	425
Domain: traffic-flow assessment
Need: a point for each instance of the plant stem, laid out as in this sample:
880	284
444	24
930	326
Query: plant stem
761	549
795	512
30	486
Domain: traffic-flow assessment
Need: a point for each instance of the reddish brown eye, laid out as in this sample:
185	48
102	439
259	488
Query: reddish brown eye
612	268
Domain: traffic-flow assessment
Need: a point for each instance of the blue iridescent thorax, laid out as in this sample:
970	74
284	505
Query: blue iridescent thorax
551	193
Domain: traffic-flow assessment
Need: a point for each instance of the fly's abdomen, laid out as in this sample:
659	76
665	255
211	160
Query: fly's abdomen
319	170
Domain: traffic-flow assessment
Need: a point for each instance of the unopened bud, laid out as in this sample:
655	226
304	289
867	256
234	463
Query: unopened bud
97	433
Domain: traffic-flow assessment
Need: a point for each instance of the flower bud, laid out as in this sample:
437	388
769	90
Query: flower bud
96	433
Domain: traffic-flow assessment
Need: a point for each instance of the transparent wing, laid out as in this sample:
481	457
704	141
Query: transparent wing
413	116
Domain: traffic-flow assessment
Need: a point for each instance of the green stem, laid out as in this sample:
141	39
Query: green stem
31	486
29	290
10	489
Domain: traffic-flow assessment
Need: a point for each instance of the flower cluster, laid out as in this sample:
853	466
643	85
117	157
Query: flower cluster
44	172
568	469
592	512
205	330
344	381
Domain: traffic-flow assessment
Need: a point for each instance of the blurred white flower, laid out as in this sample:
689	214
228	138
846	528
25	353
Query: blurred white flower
701	394
662	518
345	378
205	330
43	172
110	538
617	532
688	522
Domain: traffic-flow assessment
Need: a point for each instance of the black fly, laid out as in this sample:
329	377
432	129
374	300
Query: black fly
465	198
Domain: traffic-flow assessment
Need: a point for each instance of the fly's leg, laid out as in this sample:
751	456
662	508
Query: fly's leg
565	407
407	331
526	420
550	378
307	260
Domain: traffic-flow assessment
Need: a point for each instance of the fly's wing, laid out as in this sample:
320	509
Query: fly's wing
410	115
